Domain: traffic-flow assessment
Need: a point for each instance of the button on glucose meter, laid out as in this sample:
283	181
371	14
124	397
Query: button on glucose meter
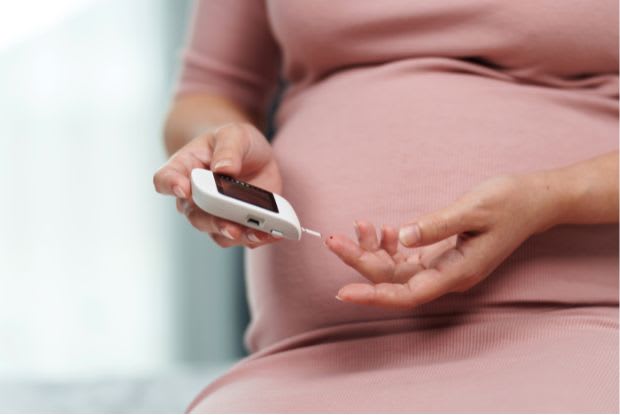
277	234
245	204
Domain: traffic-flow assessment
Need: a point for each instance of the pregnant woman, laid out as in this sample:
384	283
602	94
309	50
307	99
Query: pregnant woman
460	158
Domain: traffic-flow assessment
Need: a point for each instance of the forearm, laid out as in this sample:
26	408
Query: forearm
192	115
585	192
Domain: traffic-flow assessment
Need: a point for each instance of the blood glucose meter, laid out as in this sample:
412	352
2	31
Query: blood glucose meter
245	204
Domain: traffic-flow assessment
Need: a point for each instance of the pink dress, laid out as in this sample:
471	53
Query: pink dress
394	109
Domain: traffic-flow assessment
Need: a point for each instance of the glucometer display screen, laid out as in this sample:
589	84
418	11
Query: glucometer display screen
245	192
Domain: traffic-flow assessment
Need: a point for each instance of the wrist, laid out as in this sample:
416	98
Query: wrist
582	193
551	198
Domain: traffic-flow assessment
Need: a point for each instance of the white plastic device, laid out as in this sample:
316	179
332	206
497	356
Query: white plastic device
245	204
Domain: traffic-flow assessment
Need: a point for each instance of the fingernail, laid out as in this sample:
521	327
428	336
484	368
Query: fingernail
384	230
338	298
226	233
357	229
222	163
179	192
185	206
252	237
409	235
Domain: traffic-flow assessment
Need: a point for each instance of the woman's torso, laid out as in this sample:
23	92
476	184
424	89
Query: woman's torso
395	108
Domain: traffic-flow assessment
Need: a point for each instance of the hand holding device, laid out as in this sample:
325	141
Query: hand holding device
235	149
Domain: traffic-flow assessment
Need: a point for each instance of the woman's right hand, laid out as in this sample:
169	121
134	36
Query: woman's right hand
236	149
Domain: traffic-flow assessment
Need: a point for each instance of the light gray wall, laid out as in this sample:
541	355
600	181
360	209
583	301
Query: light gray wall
209	293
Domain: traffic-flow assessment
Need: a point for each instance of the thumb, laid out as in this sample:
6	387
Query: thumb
437	226
238	149
229	144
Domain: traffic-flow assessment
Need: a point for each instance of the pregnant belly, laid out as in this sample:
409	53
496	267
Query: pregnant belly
389	143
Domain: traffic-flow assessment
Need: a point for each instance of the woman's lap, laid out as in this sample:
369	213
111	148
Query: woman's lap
547	360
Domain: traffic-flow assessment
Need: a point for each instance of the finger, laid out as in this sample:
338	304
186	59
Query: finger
366	235
205	222
456	270
222	241
259	238
393	295
430	253
347	250
169	181
230	143
436	226
368	264
382	295
240	150
389	240
173	177
237	234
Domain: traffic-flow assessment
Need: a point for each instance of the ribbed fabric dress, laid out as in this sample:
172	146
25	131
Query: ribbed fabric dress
394	109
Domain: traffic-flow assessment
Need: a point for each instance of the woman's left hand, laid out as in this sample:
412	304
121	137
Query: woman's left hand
459	246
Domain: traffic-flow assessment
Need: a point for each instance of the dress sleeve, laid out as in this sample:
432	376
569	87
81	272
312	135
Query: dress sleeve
231	52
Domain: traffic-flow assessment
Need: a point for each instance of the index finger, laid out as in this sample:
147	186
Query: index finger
173	177
169	181
371	266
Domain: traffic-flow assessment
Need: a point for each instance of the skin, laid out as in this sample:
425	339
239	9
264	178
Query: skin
206	131
457	247
460	245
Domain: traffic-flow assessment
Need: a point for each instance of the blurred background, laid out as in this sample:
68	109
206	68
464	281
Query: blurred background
109	300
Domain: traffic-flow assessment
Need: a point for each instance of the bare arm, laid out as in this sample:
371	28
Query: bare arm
586	192
231	64
193	115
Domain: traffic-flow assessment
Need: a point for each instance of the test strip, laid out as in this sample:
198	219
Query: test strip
311	232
